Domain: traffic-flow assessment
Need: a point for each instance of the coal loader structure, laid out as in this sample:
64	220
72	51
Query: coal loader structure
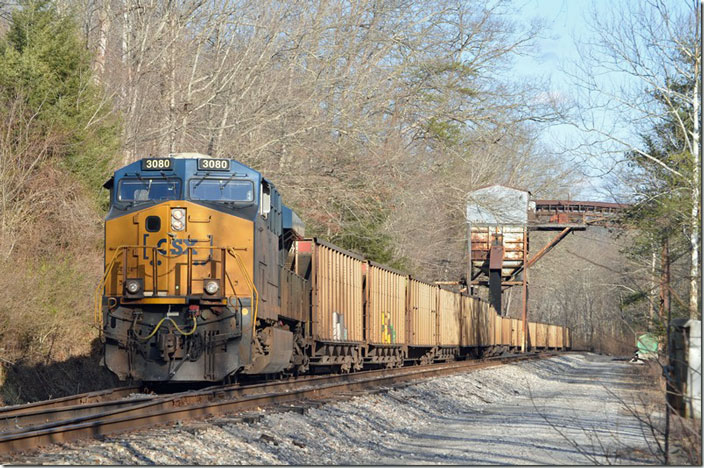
499	222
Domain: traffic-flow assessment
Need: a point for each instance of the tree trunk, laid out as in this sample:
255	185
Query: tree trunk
651	295
694	235
104	31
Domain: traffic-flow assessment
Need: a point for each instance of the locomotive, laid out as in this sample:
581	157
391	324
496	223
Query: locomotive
208	275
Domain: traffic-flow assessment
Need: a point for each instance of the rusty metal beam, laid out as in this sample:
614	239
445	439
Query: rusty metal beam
496	257
496	261
556	226
556	240
503	283
566	212
578	206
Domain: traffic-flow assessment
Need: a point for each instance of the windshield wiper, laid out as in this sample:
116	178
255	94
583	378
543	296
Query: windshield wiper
201	180
229	180
143	181
132	203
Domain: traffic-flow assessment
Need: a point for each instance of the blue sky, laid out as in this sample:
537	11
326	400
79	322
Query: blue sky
565	24
566	27
563	18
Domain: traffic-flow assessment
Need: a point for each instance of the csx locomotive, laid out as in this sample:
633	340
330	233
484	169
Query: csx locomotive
193	246
208	275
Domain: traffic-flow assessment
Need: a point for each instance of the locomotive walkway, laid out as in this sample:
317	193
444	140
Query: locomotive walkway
563	410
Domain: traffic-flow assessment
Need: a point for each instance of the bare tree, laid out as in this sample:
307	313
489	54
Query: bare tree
24	147
355	109
628	74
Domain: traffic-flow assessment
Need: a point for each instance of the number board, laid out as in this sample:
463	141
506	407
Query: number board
213	164
157	164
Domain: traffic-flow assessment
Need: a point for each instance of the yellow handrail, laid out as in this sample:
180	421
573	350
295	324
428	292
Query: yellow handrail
97	315
253	288
254	294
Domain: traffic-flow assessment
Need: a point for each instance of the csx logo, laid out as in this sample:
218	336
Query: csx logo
178	247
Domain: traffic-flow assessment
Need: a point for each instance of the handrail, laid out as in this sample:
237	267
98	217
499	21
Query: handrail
253	288
97	313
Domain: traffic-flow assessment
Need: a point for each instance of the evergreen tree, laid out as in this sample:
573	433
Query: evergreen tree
662	212
44	62
364	233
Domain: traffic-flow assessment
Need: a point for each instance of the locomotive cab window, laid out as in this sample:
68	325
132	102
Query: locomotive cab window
147	188
226	190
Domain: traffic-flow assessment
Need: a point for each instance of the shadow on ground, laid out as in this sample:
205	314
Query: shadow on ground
26	383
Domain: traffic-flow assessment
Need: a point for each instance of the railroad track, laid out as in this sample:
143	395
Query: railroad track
98	414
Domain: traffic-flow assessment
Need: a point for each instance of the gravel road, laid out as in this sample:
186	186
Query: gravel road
560	411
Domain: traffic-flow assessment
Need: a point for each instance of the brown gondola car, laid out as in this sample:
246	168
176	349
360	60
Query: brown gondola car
487	323
336	277
532	335
552	337
469	330
422	313
515	334
422	321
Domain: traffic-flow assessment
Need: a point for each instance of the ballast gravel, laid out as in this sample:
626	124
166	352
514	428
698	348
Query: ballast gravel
564	410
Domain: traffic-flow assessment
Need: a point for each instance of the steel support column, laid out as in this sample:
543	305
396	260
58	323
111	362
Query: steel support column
496	261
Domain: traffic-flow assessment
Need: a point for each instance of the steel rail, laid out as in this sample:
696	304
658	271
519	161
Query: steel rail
227	399
49	414
116	393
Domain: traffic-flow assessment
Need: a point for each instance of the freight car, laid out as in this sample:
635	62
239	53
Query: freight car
208	275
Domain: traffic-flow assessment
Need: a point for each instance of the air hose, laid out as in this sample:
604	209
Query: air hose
158	325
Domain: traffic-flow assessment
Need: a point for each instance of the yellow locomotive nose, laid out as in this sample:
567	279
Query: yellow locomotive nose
179	287
179	251
179	269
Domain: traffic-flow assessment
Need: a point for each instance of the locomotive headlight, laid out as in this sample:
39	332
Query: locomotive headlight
176	225
133	286
178	216
211	287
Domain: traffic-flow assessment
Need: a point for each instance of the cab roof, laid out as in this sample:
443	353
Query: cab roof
185	165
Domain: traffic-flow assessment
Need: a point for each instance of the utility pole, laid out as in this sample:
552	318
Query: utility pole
665	295
525	345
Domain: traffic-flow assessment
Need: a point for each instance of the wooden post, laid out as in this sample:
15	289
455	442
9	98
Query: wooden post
665	296
469	264
524	346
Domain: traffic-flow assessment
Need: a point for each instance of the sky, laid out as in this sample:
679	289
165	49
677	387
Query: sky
565	23
563	18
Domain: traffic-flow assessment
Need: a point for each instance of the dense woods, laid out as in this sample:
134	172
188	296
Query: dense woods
374	119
